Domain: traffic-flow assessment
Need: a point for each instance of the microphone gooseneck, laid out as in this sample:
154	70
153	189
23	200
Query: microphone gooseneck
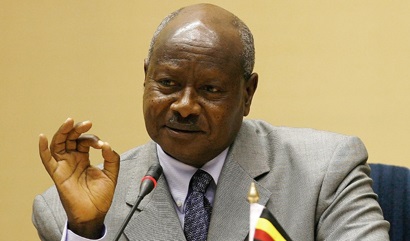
148	183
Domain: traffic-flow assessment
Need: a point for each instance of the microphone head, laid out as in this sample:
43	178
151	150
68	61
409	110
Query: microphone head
149	181
154	171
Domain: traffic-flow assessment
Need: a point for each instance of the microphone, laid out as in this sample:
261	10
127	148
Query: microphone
148	183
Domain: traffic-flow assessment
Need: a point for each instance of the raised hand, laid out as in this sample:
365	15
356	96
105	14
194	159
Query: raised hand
86	192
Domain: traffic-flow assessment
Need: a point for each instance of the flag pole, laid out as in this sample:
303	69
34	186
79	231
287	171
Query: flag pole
253	195
253	198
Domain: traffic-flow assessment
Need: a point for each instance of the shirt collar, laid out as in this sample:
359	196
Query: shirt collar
179	174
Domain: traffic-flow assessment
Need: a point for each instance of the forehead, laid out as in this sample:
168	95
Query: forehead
200	42
195	32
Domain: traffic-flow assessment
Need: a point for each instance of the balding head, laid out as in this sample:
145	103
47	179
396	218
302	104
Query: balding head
207	22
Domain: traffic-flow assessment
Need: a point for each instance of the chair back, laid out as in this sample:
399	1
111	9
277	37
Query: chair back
392	185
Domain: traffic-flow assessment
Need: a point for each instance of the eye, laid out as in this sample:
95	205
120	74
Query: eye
167	82
211	89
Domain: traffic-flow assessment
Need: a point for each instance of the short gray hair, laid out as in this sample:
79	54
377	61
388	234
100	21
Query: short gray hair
248	53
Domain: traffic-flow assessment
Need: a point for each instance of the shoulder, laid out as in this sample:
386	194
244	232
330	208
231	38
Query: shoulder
301	150
263	128
297	139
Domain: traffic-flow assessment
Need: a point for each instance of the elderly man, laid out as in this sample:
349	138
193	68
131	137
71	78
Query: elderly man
198	86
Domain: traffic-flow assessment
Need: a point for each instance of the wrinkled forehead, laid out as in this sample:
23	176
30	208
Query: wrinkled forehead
195	32
220	39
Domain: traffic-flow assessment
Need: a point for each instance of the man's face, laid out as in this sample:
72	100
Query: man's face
195	96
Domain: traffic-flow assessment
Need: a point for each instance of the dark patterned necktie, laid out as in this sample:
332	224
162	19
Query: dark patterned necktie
198	209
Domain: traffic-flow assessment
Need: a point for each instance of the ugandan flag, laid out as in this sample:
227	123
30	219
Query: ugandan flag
268	228
263	226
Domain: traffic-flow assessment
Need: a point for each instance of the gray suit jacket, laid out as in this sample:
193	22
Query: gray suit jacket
315	183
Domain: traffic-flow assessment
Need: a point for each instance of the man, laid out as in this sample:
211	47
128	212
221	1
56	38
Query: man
198	86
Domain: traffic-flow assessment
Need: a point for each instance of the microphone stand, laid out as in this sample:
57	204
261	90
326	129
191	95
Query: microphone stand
148	183
127	219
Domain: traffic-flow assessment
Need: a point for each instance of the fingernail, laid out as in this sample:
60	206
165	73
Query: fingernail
100	143
108	144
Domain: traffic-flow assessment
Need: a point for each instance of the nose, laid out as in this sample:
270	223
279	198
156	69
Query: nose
187	103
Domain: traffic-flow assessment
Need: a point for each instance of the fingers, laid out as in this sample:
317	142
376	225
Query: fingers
86	141
75	133
58	143
65	139
49	163
70	138
111	161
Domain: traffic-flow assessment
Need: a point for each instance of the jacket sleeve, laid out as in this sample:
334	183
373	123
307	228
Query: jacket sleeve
49	216
348	207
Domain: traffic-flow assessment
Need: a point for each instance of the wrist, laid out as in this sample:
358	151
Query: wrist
89	230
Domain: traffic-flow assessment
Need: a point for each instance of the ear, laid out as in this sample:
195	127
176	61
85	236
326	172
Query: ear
250	87
145	66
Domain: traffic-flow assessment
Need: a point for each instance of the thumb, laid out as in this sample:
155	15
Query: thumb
111	161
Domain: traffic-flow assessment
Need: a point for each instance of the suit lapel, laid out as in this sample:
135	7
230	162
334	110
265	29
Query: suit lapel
156	217
230	215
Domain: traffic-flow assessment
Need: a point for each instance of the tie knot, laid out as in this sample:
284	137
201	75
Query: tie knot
200	181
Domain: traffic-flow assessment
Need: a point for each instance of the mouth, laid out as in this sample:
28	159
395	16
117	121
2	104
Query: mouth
184	129
183	134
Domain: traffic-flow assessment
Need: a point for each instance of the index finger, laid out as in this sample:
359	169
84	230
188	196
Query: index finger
58	143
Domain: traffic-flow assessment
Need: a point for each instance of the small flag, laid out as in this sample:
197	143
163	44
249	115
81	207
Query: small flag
263	225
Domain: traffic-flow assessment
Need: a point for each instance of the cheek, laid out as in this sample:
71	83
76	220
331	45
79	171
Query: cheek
154	101
222	117
153	107
229	118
